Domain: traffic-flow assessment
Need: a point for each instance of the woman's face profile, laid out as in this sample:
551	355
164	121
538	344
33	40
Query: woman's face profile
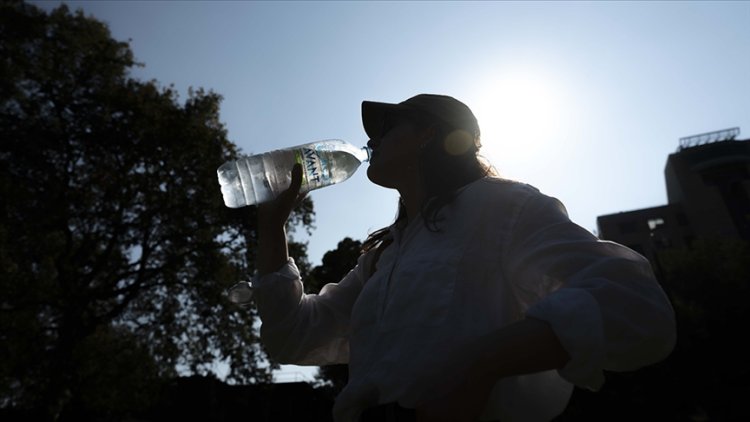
395	152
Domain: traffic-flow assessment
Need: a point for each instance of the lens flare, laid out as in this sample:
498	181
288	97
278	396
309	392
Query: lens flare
458	142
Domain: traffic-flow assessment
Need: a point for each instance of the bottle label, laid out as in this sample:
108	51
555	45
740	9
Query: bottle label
315	169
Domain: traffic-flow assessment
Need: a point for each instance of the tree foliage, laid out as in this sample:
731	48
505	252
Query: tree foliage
115	245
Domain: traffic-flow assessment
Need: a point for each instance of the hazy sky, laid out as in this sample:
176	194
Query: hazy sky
583	100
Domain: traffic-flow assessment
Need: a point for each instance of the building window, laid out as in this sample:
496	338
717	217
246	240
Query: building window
655	223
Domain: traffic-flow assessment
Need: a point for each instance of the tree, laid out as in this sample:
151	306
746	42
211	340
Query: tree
115	245
335	265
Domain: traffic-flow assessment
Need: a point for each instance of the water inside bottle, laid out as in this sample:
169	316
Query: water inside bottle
259	178
231	185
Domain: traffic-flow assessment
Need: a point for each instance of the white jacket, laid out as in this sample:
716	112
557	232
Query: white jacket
504	251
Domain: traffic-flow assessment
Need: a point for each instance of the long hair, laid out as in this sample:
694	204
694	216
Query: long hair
447	162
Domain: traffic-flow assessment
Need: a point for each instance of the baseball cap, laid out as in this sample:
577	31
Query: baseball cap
448	109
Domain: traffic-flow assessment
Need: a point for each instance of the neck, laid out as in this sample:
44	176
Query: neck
413	196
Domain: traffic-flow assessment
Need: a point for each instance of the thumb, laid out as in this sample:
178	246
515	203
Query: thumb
296	179
288	198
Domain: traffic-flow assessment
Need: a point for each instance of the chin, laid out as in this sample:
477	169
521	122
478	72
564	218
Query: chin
378	179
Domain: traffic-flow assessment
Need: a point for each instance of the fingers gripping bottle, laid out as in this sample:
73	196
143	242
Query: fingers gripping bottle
256	179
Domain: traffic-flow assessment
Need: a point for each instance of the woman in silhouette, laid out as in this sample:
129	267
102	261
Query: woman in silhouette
482	301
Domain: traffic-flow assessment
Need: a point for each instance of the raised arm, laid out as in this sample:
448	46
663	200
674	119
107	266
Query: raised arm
299	328
272	217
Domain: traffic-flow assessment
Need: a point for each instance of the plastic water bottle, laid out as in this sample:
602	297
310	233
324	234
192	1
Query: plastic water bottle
255	179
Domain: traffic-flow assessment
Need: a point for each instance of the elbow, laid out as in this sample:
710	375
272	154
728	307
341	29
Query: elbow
667	339
654	350
657	348
277	348
277	354
282	356
662	336
654	331
648	347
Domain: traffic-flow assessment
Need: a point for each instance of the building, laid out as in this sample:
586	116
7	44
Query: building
708	193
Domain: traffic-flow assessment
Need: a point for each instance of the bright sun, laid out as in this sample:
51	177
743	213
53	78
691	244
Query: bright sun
521	115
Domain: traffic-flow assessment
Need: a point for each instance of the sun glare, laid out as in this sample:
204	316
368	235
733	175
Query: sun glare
520	115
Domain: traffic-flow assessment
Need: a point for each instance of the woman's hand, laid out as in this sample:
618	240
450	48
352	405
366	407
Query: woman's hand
275	213
272	217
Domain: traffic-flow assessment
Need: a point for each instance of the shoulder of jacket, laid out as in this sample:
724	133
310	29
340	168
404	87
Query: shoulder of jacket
501	186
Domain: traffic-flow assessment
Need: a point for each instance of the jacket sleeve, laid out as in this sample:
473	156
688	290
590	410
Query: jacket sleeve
601	299
307	329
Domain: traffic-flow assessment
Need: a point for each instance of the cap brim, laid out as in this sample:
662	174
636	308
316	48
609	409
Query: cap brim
373	114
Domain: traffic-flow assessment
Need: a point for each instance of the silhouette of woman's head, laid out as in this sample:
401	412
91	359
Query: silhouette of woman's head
431	139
